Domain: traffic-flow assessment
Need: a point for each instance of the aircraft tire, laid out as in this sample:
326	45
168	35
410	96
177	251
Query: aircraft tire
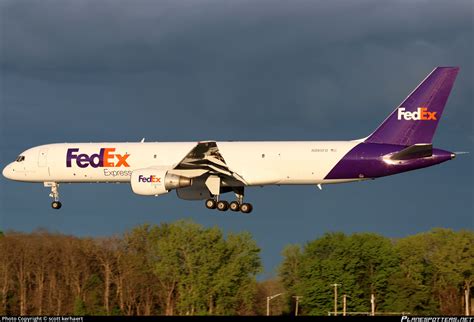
246	208
222	205
211	204
234	206
56	204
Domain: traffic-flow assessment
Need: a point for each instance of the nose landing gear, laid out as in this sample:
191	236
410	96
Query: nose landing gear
56	204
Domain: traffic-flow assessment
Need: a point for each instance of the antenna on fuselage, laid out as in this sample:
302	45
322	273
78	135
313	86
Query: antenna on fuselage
143	140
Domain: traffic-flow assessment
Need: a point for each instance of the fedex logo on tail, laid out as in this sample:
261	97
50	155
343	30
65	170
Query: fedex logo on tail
151	178
105	158
421	114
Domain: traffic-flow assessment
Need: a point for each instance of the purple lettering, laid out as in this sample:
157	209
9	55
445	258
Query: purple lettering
141	178
70	156
104	158
82	160
99	160
102	152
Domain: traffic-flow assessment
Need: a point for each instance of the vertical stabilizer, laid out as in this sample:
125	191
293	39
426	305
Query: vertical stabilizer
417	117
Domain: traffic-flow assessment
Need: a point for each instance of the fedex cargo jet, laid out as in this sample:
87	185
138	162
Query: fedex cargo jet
204	170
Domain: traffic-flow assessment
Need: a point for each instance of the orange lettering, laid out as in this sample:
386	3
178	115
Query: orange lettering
107	156
423	113
122	160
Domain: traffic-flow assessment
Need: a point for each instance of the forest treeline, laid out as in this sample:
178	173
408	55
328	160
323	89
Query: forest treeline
423	274
173	269
183	268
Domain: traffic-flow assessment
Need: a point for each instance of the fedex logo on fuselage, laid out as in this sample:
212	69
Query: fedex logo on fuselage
151	178
105	158
421	114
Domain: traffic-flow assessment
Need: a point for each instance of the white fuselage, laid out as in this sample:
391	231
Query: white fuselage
258	163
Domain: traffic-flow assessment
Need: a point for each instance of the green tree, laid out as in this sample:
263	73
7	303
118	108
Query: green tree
422	274
234	283
288	273
361	263
289	269
435	268
410	288
198	270
453	263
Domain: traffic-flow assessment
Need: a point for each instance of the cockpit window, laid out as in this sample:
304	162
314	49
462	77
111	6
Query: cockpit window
20	158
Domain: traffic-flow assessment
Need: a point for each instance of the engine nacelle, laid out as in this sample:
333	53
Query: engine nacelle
156	181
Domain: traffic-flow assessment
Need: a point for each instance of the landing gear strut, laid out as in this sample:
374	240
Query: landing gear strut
237	205
56	204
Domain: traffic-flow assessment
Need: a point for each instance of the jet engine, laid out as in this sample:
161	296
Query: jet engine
156	181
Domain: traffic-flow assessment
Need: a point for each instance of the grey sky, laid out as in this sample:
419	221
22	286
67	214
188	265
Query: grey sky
234	70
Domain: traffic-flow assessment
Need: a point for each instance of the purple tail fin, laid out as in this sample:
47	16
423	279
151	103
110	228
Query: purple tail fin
417	117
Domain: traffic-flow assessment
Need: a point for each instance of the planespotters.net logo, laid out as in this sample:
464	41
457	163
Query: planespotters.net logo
437	319
421	114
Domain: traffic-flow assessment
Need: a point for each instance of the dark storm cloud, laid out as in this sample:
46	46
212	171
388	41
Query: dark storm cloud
276	57
139	35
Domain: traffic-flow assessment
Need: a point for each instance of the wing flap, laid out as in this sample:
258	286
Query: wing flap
205	156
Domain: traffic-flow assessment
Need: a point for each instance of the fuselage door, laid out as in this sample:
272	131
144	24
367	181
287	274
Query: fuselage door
43	157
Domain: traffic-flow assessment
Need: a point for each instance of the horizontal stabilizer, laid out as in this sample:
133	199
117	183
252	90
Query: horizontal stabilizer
413	152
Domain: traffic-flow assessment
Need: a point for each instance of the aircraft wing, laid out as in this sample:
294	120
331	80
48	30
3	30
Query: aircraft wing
205	158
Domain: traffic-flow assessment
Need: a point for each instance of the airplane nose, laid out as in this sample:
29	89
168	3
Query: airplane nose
7	172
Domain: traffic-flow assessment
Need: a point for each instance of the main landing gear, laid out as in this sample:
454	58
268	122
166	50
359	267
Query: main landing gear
237	205
56	204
